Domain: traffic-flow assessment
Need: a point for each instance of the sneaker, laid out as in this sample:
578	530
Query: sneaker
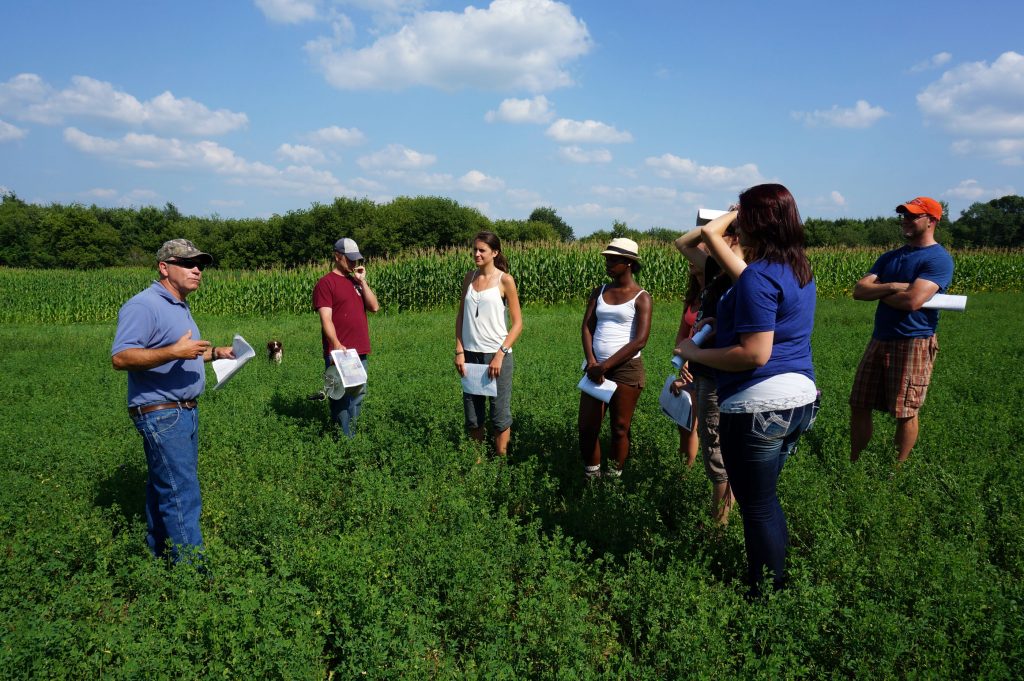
318	396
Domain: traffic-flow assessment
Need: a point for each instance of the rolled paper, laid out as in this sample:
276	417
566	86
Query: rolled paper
941	301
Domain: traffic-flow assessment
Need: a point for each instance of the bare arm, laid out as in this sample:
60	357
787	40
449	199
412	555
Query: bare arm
460	354
713	234
327	325
589	326
753	351
916	295
869	288
687	245
142	359
369	297
515	312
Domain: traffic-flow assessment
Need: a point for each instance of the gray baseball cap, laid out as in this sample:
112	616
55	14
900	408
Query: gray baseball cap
348	248
182	249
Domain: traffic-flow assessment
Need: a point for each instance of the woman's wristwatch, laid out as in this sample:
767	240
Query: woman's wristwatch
505	350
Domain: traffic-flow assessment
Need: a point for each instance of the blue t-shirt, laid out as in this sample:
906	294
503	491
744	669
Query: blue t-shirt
767	297
906	264
153	319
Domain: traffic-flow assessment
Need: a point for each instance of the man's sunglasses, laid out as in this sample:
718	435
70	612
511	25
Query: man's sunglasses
188	264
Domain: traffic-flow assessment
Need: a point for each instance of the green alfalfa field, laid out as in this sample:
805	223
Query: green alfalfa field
398	555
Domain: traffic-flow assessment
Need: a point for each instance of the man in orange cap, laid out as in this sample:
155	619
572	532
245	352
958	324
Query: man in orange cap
896	368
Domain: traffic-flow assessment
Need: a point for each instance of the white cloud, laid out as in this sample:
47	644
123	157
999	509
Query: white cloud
940	59
28	97
860	115
588	132
152	152
971	190
476	181
639	192
5	191
100	193
577	154
348	137
524	198
536	110
585	209
1007	151
979	99
837	198
300	153
396	157
669	166
289	11
10	132
511	44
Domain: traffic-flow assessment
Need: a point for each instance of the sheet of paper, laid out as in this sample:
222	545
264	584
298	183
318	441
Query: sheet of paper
476	381
679	409
350	367
226	368
941	301
602	391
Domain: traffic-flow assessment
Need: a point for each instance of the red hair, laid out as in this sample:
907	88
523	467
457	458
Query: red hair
769	216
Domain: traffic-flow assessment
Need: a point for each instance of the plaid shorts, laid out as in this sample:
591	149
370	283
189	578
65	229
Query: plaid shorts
893	376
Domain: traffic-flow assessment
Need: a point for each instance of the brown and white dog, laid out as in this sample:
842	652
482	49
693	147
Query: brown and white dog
274	351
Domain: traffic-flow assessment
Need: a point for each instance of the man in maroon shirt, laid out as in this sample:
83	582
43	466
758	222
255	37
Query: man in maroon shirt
342	298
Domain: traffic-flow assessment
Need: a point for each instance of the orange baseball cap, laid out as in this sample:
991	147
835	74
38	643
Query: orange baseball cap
921	205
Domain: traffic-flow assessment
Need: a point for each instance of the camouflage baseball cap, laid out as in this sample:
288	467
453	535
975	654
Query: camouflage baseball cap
182	249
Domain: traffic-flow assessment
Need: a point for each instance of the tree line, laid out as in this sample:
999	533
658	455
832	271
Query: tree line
85	237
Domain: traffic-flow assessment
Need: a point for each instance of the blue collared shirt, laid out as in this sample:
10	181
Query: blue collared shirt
154	318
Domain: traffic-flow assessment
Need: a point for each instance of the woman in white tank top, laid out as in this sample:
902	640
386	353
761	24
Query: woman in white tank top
483	336
616	325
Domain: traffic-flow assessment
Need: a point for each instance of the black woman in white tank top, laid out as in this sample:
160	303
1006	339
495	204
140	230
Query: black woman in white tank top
616	325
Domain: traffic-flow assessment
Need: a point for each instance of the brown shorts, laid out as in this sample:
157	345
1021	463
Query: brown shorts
630	372
893	376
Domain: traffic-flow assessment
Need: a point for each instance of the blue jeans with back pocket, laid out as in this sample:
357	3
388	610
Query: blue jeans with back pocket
755	448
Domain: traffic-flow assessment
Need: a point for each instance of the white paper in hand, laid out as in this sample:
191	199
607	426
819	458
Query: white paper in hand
226	368
477	382
679	409
941	301
602	391
350	367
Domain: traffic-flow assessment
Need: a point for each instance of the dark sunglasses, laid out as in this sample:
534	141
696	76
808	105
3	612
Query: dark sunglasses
188	264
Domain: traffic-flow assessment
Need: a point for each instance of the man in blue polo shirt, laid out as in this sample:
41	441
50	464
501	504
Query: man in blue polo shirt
896	368
158	343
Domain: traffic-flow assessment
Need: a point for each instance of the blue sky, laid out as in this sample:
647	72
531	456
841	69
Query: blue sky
639	111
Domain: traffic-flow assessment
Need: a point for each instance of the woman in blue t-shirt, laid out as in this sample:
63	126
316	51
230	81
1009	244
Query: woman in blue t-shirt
762	357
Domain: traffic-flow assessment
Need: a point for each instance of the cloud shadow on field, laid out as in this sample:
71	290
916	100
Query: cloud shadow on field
125	488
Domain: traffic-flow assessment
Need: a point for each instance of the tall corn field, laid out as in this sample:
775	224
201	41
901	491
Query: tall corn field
421	280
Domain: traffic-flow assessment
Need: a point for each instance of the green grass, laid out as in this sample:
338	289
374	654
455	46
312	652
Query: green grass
396	555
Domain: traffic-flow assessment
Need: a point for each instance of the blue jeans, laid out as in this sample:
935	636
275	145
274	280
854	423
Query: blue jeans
755	447
171	440
346	410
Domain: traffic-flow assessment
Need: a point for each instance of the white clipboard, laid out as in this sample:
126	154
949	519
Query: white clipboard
678	408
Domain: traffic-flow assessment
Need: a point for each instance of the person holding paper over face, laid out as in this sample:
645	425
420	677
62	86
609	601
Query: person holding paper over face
483	336
616	325
761	354
714	247
158	343
896	368
342	297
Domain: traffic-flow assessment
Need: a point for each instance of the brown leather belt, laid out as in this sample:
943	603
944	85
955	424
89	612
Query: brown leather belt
135	412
